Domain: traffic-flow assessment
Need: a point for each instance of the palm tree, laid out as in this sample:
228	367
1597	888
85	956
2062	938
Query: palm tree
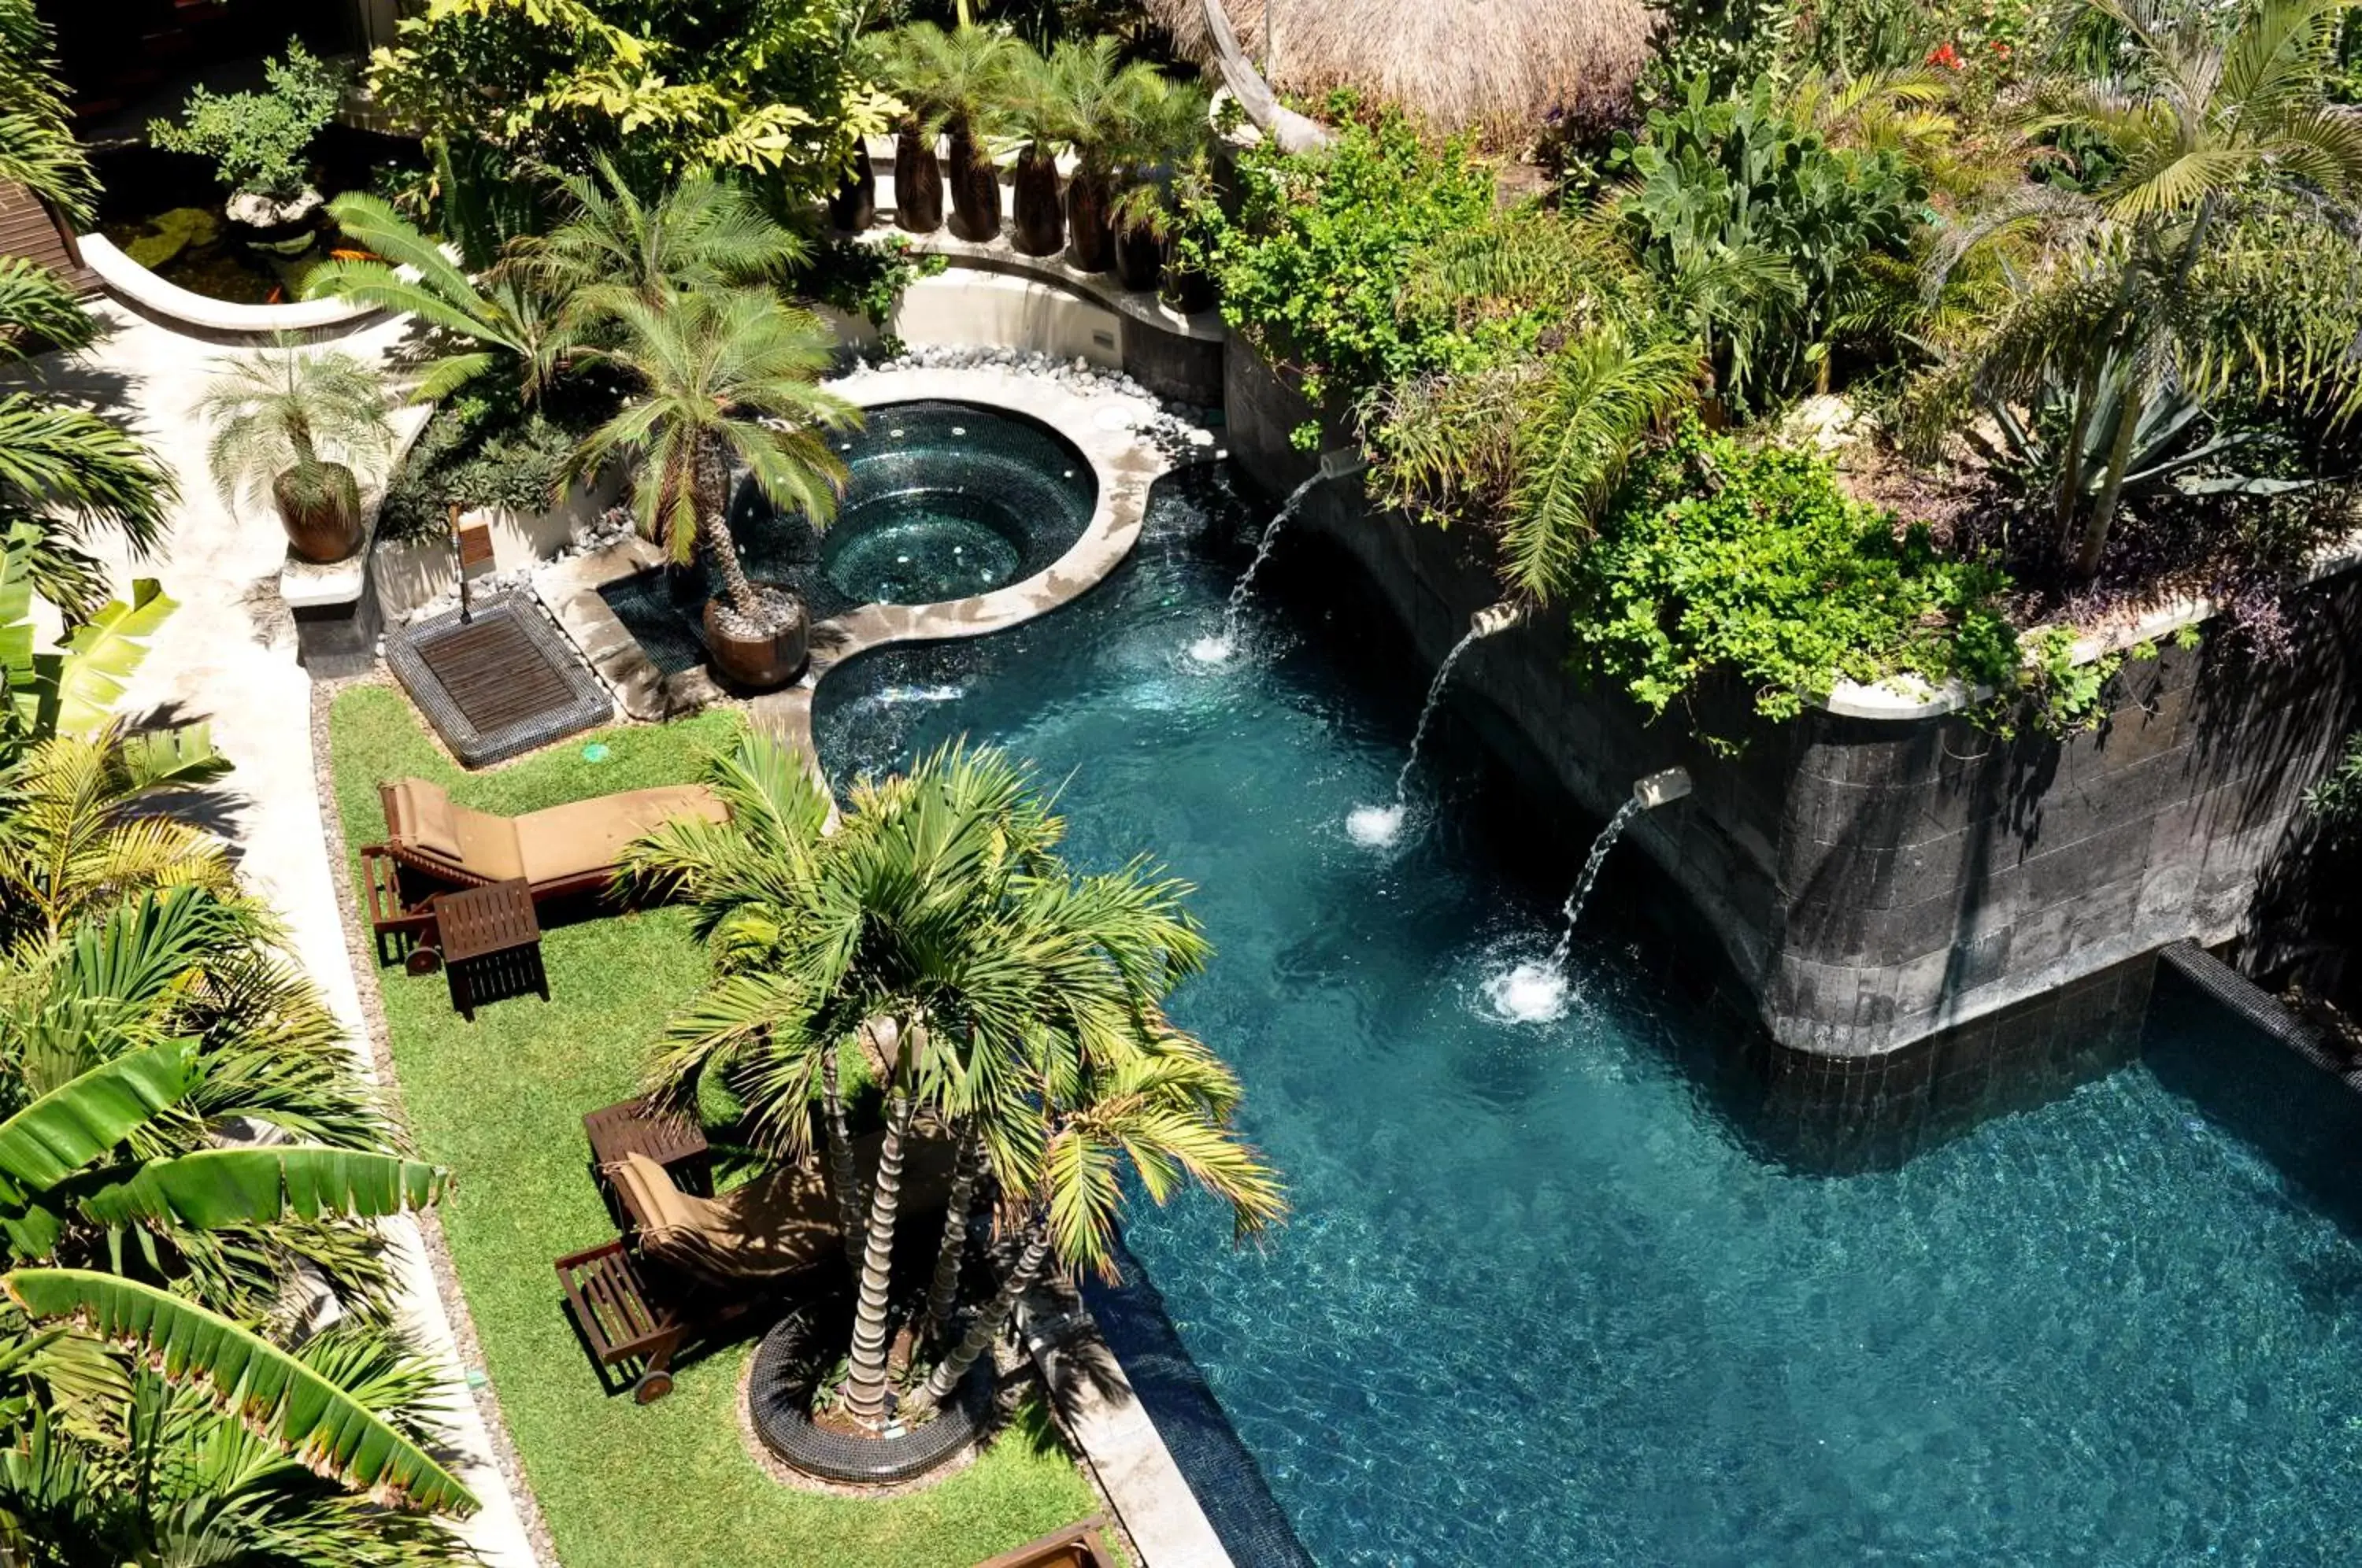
937	932
288	424
2208	120
506	316
962	77
1162	133
1161	1113
700	236
64	467
724	377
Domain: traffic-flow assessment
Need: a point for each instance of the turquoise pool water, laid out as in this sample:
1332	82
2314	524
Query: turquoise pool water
1542	1301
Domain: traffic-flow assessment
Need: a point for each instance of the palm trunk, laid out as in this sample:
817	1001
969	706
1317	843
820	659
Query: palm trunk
840	1160
721	550
864	1383
942	1293
987	1327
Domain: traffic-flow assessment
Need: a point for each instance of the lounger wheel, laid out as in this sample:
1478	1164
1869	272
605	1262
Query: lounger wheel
652	1387
423	960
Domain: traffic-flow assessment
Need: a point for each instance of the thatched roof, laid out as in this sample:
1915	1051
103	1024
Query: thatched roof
1498	64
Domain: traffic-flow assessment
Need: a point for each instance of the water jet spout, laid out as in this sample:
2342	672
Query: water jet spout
1661	789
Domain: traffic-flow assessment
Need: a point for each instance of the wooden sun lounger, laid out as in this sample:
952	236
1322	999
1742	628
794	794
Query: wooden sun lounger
686	1266
1076	1546
433	847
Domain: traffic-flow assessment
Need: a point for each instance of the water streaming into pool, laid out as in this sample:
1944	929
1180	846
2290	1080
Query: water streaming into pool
1544	1301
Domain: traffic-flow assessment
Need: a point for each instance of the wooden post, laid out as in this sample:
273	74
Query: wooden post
459	563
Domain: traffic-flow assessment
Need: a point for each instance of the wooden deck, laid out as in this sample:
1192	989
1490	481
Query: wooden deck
29	229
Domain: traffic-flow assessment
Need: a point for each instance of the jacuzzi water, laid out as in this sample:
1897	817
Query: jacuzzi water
941	501
1542	1301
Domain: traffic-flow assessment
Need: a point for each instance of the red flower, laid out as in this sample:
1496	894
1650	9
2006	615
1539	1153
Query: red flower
1945	55
2001	48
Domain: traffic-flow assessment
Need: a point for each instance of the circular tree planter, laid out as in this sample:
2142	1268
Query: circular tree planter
326	530
762	661
789	1363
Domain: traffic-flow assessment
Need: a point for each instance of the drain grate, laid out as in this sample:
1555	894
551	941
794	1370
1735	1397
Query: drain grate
500	683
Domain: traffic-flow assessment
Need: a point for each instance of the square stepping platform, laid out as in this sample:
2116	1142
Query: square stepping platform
500	682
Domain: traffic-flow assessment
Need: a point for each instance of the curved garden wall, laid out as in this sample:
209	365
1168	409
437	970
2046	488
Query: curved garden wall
202	316
1907	895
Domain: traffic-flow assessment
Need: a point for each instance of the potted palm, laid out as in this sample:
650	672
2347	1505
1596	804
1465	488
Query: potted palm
723	375
1037	114
904	59
962	76
1098	106
854	207
288	424
1165	133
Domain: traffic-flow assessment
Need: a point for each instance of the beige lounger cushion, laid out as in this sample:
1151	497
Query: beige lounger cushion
583	838
782	1223
424	819
588	835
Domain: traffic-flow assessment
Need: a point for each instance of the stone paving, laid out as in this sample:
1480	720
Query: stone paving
227	656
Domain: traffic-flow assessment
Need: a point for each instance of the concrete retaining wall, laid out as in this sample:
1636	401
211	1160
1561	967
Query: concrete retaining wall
1914	895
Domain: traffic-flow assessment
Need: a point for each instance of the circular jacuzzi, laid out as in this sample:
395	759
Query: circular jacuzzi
945	500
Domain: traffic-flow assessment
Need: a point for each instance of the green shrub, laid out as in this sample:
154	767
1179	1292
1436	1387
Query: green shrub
867	280
1313	266
258	140
481	452
1724	558
1779	245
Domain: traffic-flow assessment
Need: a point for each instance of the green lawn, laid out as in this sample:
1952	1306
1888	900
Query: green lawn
501	1103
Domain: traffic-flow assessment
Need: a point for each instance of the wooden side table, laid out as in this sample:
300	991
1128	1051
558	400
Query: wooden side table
491	944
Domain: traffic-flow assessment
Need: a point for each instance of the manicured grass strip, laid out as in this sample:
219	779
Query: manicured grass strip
501	1102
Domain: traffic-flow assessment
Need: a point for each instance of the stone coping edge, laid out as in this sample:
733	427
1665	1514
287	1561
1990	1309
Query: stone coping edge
1095	1403
167	302
1906	697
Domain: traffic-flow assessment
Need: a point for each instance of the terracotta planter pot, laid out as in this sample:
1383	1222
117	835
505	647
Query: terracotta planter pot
323	530
975	191
763	663
1186	289
1090	247
1139	258
854	207
918	184
1040	223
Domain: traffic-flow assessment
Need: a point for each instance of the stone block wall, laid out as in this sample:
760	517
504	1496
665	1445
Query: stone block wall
1901	902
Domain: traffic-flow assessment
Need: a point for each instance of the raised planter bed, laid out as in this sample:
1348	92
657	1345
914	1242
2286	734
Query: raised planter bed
788	1365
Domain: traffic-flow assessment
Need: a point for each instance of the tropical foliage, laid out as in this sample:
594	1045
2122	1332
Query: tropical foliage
289	419
937	939
767	89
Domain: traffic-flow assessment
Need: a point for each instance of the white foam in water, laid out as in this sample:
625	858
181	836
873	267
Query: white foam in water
1527	993
1210	649
1374	826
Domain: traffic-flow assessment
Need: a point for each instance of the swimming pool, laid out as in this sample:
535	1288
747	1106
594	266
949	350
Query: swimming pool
1544	1300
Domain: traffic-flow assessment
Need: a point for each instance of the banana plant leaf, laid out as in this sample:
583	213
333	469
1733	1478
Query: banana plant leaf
102	654
87	1116
253	1187
272	1394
